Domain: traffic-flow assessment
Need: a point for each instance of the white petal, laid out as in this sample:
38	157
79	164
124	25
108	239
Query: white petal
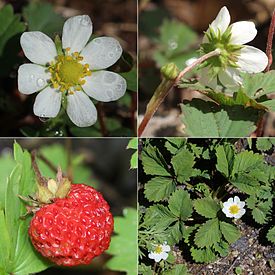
76	32
236	200
166	248
230	77
105	86
243	32
102	53
164	255
222	21
240	214
230	200
241	204
151	255
38	47
252	60
32	78
47	103
205	79
81	109
227	204
157	257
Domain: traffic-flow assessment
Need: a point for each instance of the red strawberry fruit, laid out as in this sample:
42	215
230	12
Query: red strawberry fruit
72	223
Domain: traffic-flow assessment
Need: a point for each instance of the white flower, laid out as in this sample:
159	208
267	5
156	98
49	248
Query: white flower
234	208
160	252
235	57
72	74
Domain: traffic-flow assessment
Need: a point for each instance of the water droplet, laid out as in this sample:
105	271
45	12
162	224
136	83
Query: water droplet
32	77
172	44
85	21
40	82
109	93
58	133
43	118
119	86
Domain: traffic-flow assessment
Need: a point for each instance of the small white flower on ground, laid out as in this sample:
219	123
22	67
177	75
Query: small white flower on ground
234	208
160	252
70	75
235	57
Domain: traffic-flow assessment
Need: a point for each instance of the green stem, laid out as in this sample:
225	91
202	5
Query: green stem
164	88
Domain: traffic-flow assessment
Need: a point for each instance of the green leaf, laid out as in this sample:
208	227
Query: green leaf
257	85
153	162
23	258
225	159
271	235
10	28
5	242
263	144
270	104
174	144
222	248
133	144
180	204
261	211
159	216
183	163
230	232
176	40
205	255
131	79
41	17
206	207
208	234
206	119
7	164
159	188
124	244
179	269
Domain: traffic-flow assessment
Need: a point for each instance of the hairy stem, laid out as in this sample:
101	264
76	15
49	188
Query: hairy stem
270	42
164	88
40	179
101	119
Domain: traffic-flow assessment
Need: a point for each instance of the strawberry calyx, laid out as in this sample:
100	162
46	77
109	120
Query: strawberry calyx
47	189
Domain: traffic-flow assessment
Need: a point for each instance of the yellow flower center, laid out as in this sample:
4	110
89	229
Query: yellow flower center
158	249
67	73
234	209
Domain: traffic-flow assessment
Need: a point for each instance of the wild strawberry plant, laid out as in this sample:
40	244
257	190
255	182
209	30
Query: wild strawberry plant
192	194
20	233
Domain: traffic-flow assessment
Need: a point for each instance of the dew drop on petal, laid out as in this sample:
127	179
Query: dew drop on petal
40	82
84	21
32	77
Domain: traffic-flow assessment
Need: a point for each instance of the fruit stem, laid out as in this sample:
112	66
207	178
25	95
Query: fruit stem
40	179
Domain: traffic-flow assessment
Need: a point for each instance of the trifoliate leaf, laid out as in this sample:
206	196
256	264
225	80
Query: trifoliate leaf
263	144
153	162
208	234
205	255
183	163
206	207
271	235
180	204
230	232
225	158
179	269
159	188
42	17
159	216
206	119
124	244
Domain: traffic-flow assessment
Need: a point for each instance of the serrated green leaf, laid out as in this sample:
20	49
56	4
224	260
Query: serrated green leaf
159	216
271	234
183	163
42	17
208	234
206	119
263	144
246	183
174	144
174	234
225	159
145	269
230	232
261	211
205	255
124	244
153	162
257	85
179	269
270	104
206	207
134	161
133	143
159	188
180	204
222	248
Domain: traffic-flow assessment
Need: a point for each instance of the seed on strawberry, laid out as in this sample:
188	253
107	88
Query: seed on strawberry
73	230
